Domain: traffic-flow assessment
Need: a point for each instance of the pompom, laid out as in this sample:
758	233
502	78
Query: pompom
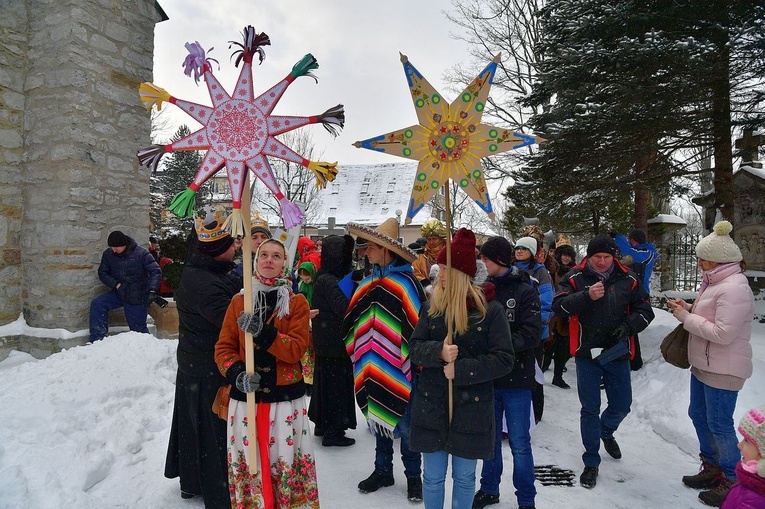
723	228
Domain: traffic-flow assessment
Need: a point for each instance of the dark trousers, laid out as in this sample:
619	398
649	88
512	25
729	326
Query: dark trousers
637	362
384	449
594	425
135	314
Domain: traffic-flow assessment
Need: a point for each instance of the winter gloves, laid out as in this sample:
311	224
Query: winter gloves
153	297
250	322
248	383
621	333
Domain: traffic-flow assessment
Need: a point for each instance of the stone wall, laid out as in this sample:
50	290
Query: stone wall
13	58
82	124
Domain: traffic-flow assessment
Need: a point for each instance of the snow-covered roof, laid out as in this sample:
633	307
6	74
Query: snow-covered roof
369	194
757	172
667	219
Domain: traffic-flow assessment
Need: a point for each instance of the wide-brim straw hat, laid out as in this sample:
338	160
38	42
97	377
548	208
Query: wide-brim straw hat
385	236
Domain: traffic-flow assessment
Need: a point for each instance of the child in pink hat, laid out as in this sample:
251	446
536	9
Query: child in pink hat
749	491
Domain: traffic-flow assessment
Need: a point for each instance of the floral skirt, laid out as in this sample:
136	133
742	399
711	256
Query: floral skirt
285	450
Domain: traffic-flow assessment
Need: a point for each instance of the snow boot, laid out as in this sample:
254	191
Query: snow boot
715	497
709	476
482	499
558	381
414	489
336	439
374	482
612	448
589	477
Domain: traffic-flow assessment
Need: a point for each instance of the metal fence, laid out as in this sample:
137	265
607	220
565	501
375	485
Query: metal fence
679	267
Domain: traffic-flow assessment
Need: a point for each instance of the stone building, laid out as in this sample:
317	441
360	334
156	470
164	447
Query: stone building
70	124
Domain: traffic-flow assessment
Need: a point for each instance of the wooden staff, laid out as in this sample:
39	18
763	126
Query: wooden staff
449	296
249	351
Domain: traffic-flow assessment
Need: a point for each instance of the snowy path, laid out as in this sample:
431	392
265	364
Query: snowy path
88	427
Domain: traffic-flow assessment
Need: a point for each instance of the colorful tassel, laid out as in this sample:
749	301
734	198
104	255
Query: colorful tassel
234	223
292	215
196	61
333	119
324	172
152	95
183	204
252	44
307	63
150	156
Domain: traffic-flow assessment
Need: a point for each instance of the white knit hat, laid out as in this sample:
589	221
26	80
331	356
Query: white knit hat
718	246
529	243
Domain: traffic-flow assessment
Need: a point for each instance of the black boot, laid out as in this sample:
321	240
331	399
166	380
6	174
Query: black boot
482	499
612	448
374	482
336	439
589	477
414	489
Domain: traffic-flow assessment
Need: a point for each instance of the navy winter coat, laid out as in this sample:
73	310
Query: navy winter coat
521	302
134	269
485	353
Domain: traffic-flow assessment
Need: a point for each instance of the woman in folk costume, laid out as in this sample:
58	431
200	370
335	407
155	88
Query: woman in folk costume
333	408
479	351
434	233
381	316
286	475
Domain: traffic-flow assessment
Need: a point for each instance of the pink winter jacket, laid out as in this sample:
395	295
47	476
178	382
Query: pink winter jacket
720	323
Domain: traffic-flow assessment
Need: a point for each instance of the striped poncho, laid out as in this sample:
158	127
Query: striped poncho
381	316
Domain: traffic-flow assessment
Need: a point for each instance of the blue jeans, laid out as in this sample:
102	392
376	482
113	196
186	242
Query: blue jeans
711	411
135	314
384	449
463	475
515	406
593	424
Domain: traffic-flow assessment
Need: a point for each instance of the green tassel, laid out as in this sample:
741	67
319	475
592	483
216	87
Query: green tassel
307	63
183	204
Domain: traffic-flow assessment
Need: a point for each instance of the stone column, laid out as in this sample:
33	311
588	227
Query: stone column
83	124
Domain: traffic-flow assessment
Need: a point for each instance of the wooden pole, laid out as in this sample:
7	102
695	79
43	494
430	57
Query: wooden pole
449	324
248	347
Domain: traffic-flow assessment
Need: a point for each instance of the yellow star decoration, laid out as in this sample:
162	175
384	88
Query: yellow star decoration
449	140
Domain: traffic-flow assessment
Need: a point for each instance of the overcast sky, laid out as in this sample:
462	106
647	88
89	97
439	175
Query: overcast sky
356	43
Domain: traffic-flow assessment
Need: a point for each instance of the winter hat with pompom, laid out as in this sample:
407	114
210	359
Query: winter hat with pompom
718	246
463	252
752	428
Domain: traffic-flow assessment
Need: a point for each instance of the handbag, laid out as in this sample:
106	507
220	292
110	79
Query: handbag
674	347
220	403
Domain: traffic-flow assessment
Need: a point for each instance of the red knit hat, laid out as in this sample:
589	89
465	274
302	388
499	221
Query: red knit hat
463	252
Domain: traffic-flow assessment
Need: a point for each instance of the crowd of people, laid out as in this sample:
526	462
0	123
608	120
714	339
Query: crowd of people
444	356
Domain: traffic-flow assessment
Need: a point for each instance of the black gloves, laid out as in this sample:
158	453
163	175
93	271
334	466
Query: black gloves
248	383
621	333
153	297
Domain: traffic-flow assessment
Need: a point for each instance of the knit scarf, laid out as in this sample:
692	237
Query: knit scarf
750	479
381	316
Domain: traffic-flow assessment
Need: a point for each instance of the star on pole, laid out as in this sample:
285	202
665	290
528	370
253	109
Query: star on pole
449	139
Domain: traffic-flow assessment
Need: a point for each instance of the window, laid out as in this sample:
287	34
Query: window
392	185
333	211
365	185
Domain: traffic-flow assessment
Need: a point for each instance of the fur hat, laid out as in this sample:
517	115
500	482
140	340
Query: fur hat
602	243
529	243
718	246
499	250
752	428
384	235
117	239
536	233
433	228
463	252
637	235
567	250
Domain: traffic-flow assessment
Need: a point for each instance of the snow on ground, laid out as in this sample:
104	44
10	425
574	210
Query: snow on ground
88	427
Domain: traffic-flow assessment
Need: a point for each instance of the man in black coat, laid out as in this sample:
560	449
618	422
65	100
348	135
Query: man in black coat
133	276
197	450
606	305
512	392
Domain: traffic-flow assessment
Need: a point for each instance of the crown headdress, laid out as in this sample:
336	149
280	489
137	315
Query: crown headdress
216	231
259	221
563	240
433	227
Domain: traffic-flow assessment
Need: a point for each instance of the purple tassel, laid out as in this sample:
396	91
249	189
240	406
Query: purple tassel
253	43
150	157
195	61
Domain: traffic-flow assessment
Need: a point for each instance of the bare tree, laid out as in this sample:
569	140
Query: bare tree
295	181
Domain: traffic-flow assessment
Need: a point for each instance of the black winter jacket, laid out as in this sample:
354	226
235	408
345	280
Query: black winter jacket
134	269
521	302
485	353
591	322
204	293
